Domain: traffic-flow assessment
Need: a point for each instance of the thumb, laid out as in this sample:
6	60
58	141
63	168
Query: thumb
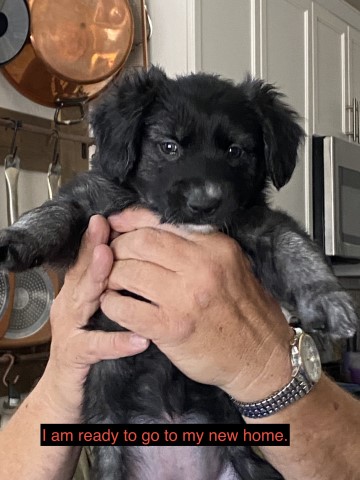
97	233
94	346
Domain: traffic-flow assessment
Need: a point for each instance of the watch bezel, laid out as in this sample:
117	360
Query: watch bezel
297	356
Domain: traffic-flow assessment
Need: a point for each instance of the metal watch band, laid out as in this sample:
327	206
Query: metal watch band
280	399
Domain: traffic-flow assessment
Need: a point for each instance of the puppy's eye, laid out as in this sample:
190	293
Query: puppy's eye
170	148
234	151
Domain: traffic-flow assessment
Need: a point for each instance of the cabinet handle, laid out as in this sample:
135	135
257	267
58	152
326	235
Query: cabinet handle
355	119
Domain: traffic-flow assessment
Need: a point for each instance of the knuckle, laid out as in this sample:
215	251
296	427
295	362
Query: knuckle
186	331
202	296
145	237
93	346
231	249
215	272
76	301
210	275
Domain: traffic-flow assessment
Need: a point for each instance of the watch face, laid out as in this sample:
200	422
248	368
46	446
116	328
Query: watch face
310	358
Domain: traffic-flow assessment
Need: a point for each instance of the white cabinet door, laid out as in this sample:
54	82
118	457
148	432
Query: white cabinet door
172	44
202	35
224	43
353	77
286	62
330	86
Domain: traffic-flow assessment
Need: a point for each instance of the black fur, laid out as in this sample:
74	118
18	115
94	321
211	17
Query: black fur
164	144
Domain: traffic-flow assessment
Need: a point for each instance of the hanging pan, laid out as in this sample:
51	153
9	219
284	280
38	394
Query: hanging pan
75	48
6	299
35	289
14	28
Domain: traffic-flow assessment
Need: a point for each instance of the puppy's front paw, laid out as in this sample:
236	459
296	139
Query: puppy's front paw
18	250
333	312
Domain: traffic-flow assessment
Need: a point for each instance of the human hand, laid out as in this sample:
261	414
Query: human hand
208	314
73	349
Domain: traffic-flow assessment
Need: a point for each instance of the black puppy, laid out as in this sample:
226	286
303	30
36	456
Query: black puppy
198	151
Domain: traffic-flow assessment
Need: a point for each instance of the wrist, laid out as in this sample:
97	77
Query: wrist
306	372
61	395
275	372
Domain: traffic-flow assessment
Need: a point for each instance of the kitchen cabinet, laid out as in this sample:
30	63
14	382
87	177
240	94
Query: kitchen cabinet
336	80
285	60
330	80
353	77
202	35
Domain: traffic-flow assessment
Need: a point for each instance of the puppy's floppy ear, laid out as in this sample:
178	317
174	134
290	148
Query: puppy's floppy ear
117	120
281	132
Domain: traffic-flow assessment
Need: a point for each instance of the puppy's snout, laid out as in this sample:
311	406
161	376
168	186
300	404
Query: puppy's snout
204	199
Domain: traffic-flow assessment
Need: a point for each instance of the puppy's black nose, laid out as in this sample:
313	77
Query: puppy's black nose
204	199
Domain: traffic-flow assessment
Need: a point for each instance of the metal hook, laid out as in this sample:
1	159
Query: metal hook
149	26
8	369
54	171
55	158
13	148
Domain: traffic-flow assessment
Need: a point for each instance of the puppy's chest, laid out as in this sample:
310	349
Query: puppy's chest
193	462
179	463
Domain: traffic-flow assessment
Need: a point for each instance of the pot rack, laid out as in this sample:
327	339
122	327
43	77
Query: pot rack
20	125
37	138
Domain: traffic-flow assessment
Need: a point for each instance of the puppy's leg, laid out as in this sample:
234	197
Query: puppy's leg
52	233
108	463
292	267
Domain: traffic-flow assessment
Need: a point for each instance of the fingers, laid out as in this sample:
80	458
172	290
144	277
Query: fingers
97	233
143	278
95	278
94	346
140	317
85	282
155	246
133	219
79	297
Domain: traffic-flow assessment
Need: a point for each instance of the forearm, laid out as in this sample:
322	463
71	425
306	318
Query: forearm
324	432
21	455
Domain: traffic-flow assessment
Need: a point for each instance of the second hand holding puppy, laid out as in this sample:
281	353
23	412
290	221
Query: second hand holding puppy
204	298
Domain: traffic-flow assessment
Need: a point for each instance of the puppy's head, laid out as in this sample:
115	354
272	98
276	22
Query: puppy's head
198	148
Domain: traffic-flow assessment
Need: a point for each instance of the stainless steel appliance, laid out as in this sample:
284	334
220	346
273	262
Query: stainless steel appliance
336	190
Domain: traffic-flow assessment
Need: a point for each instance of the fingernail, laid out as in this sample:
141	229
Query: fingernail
138	340
90	226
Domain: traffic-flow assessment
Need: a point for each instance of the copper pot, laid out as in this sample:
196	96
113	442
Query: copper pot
75	48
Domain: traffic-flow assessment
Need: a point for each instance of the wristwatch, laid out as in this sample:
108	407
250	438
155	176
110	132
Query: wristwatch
306	372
